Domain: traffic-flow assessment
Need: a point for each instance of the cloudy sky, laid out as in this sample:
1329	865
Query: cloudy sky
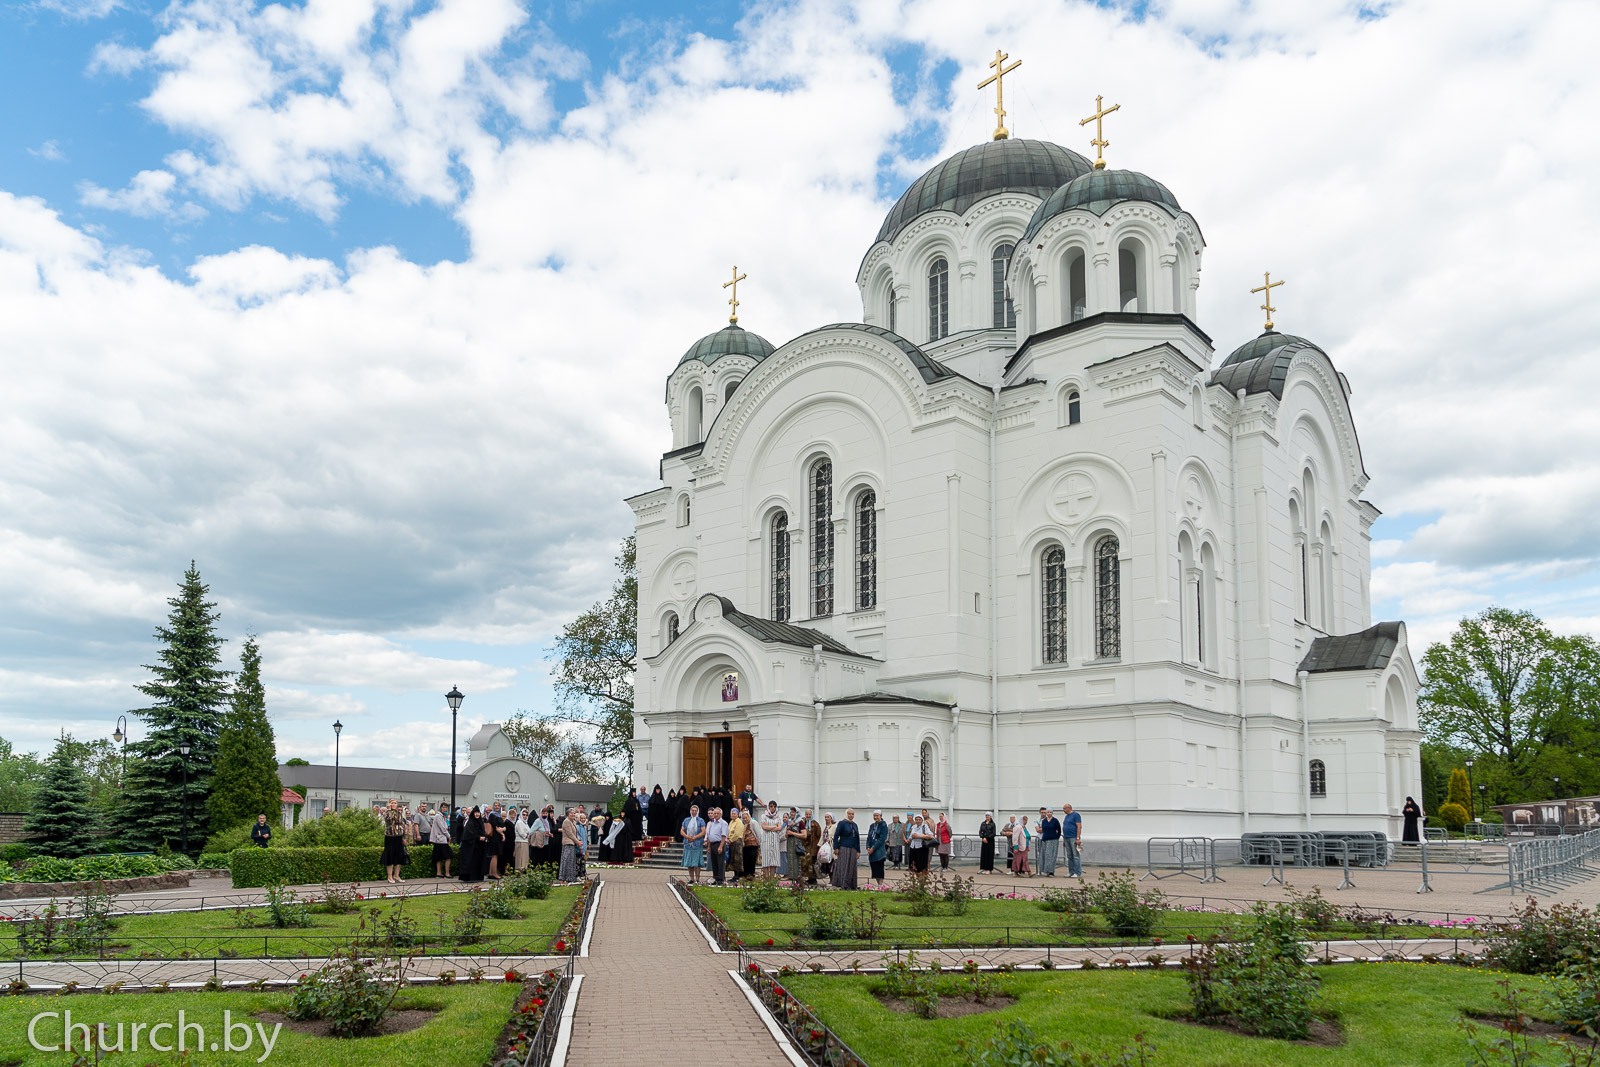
366	305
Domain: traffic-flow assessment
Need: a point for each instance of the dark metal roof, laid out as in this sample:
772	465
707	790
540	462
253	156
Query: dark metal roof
1136	318
783	633
888	698
1262	365
1369	650
1097	191
1009	166
731	340
374	779
930	369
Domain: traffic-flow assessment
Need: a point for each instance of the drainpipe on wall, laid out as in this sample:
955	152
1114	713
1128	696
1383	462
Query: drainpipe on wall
1238	624
816	736
994	611
1305	749
955	724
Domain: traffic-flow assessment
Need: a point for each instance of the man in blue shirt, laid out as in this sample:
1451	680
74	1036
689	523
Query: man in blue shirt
1049	841
1072	840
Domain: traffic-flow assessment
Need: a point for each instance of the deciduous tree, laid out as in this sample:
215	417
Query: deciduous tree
558	754
595	658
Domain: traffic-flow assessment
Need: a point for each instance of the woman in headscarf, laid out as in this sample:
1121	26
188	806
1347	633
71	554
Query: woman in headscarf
877	845
1021	837
846	850
825	855
1413	816
633	813
622	847
521	832
812	843
771	839
394	841
574	838
986	832
942	839
658	820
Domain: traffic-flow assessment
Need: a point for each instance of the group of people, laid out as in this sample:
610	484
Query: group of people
1052	839
495	841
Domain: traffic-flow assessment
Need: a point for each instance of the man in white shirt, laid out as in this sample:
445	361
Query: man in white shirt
717	845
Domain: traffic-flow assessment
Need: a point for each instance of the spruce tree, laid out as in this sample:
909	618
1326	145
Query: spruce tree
61	820
245	781
188	693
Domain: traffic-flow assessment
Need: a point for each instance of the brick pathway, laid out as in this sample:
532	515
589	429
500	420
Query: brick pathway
653	991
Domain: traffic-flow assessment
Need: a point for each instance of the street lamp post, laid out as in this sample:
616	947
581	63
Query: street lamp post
1471	796
121	738
454	699
1483	796
183	758
338	728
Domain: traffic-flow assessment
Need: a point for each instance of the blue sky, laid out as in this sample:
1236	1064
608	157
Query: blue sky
366	306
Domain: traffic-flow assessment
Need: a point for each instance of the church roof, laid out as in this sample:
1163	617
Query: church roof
930	369
1013	165
1097	191
1261	365
731	340
880	697
1369	650
771	632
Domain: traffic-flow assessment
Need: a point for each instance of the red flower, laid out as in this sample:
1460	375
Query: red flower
512	976
753	968
770	942
537	1002
561	946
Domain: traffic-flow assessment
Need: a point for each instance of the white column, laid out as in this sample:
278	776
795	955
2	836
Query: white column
1160	507
953	542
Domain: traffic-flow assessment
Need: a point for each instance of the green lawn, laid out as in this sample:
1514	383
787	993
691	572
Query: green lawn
206	934
1393	1015
987	922
463	1033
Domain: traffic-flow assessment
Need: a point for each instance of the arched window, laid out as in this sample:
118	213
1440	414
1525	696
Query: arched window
1208	629
822	539
693	416
684	508
1107	599
938	299
1074	408
927	765
866	550
727	390
780	567
894	307
1130	277
1191	611
672	626
1077	286
1054	597
1325	576
1319	779
1298	531
1005	313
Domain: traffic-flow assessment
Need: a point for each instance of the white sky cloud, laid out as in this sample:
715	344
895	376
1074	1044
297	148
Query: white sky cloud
373	456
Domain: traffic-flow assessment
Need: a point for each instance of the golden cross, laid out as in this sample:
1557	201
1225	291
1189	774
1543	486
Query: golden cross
1098	118
997	79
1265	288
733	301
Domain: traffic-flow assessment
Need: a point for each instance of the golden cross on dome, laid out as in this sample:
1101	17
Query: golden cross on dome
997	79
1098	118
1265	288
733	301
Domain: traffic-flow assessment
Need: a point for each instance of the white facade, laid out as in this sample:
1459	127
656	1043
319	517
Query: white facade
1070	562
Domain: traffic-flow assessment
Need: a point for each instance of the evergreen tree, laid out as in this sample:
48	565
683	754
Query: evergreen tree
1460	791
188	693
61	820
244	783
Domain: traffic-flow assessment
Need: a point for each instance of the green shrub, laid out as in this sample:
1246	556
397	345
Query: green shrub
350	828
1543	942
958	892
233	837
213	861
1575	999
1316	910
352	991
1128	912
254	867
15	852
1453	815
534	883
1261	979
825	922
99	868
764	896
905	980
916	891
285	909
1070	901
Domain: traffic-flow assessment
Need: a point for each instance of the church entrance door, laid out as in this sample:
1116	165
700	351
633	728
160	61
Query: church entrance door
720	760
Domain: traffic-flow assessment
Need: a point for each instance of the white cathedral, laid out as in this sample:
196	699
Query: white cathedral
1012	540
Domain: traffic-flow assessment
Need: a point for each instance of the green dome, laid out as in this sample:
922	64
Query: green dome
1009	166
1260	346
1097	191
1262	365
731	340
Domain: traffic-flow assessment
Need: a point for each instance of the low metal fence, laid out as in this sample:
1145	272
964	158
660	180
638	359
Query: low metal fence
1545	864
812	1038
1193	857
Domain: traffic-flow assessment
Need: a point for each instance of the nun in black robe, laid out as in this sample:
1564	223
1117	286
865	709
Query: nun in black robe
633	815
474	861
658	820
604	853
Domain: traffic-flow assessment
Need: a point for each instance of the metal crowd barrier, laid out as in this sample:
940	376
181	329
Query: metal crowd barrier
1195	857
1545	864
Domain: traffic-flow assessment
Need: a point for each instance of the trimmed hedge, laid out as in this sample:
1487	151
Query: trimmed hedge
254	867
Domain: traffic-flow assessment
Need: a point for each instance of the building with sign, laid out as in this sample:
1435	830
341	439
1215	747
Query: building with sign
493	773
1019	537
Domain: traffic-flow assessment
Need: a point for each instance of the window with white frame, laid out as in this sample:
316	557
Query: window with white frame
1004	312
938	299
866	550
780	567
1107	599
1054	601
822	539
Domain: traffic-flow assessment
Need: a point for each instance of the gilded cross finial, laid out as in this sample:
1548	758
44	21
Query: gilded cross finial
1265	288
1098	118
997	79
733	300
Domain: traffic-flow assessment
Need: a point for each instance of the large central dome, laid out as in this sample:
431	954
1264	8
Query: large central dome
1009	166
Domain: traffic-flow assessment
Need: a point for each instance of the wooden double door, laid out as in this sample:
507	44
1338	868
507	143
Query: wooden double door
720	760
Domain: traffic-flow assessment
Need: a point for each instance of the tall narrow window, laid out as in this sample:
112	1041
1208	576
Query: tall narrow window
672	627
780	567
1005	313
1077	287
1199	618
938	299
1107	599
727	390
1319	778
684	510
925	767
866	551
894	326
1055	605
1074	408
822	539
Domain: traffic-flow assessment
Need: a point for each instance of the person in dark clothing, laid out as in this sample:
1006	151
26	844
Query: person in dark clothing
473	861
1413	815
261	832
986	835
657	819
633	815
680	813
